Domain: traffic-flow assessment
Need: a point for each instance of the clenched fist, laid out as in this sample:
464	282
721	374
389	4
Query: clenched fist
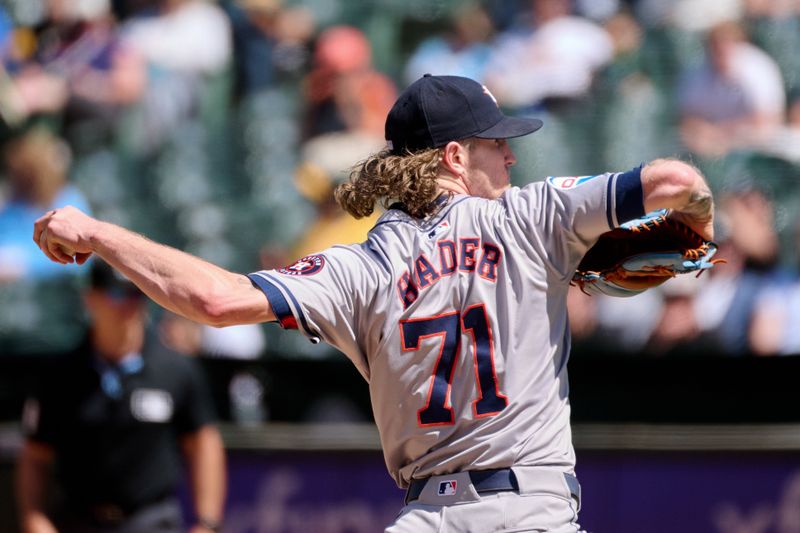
64	235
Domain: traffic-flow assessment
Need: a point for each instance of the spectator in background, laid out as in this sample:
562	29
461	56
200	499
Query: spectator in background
294	30
659	322
36	166
242	400
775	328
270	42
184	36
714	314
726	311
112	418
76	69
794	113
183	44
775	27
332	225
676	330
732	100
785	143
627	37
701	15
243	342
463	50
636	123
252	25
771	8
582	310
623	325
361	101
724	304
554	56
343	68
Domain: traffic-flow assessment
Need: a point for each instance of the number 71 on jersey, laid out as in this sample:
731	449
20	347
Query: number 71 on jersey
437	411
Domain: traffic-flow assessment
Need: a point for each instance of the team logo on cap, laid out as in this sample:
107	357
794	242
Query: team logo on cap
568	182
311	264
488	93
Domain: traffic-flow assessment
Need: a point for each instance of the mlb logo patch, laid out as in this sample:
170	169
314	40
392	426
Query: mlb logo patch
447	488
311	264
568	182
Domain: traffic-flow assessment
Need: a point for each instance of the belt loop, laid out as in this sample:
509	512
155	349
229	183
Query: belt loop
574	488
415	487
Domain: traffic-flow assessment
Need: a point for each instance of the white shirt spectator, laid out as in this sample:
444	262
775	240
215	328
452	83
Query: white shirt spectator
775	330
558	59
760	78
245	341
702	15
193	37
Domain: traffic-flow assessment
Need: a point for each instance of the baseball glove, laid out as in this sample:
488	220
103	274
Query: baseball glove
641	254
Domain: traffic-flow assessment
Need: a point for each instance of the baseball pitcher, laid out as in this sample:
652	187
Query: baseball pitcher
453	309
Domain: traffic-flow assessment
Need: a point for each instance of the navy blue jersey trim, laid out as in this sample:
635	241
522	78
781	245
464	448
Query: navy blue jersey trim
314	337
276	299
629	195
390	222
610	201
442	216
280	306
447	210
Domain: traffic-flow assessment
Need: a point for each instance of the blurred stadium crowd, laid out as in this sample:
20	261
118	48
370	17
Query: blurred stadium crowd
222	127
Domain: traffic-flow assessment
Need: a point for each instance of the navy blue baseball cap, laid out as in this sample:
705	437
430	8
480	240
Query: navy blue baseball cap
435	110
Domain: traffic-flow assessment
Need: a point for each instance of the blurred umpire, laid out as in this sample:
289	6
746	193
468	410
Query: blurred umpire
114	420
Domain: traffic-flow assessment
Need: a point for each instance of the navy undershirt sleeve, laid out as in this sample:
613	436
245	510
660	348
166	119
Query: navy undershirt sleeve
629	195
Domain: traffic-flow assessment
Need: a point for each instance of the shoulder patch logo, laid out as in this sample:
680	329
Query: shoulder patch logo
307	266
568	182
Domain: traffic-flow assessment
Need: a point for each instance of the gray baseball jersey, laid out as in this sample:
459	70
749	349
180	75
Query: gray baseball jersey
459	322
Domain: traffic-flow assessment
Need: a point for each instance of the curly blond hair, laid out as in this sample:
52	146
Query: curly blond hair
386	178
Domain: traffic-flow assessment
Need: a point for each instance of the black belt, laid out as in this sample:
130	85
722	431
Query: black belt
502	479
111	514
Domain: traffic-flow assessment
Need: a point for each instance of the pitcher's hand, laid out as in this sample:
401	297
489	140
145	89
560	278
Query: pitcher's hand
63	235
